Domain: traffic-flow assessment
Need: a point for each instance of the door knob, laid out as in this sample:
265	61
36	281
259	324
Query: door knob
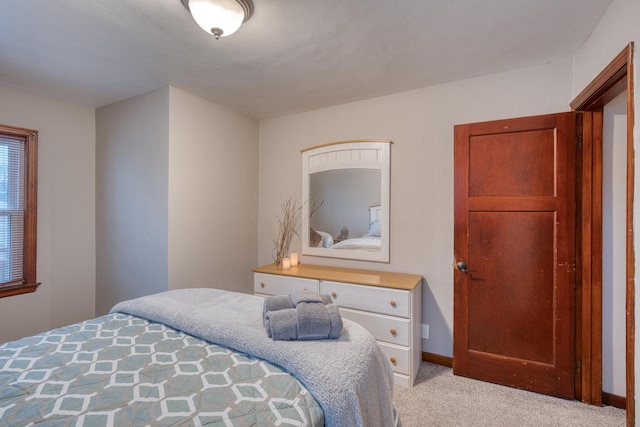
462	266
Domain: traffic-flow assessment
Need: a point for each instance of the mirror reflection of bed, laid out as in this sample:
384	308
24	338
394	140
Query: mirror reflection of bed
369	241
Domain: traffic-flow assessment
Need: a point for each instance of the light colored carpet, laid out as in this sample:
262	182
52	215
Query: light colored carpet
439	398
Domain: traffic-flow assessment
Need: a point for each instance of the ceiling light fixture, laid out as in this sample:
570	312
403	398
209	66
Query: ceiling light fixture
220	18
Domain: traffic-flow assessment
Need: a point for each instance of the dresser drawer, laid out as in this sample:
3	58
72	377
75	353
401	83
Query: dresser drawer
271	284
395	330
397	356
377	300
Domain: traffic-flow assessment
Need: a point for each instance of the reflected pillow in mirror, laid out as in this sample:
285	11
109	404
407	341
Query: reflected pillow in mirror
374	228
327	239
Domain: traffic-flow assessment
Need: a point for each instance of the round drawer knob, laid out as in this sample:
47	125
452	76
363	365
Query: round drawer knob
393	304
262	284
393	332
333	294
393	360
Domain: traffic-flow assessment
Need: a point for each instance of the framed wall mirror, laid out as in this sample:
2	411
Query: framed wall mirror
345	193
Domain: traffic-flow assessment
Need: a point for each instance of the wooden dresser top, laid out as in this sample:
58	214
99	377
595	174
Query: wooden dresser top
346	275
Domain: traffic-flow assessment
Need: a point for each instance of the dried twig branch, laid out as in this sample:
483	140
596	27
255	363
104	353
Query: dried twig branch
287	228
314	206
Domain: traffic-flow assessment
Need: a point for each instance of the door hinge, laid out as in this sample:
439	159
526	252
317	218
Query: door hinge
578	366
578	141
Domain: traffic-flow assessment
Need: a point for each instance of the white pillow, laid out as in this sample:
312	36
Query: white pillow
374	228
327	240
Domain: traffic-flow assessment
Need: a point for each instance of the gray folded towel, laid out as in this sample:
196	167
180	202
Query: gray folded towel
274	303
280	302
308	321
313	321
336	320
282	324
304	296
326	299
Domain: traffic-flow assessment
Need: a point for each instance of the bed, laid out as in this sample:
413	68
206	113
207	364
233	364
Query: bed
369	242
192	357
365	243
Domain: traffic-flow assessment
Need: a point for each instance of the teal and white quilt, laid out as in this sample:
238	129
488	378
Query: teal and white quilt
122	370
349	377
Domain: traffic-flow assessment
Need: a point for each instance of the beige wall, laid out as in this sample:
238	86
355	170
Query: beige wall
131	198
616	29
213	195
66	215
176	196
420	122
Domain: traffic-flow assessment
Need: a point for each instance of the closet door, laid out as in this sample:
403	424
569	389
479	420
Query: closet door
515	252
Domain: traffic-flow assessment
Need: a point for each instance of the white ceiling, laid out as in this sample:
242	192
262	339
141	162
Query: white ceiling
291	56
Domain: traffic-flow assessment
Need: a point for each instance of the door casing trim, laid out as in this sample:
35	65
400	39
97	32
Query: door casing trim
614	79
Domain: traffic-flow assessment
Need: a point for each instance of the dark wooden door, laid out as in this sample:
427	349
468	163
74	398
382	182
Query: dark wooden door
515	252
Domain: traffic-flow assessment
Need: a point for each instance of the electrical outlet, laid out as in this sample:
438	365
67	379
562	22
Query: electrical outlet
425	332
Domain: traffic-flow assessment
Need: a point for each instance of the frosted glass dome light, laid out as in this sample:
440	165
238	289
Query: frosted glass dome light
220	18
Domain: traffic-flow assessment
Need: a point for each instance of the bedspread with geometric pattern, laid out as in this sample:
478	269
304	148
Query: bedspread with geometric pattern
121	370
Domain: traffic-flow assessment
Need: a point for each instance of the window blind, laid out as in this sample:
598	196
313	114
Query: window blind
12	205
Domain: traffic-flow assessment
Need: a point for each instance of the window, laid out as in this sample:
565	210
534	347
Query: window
18	213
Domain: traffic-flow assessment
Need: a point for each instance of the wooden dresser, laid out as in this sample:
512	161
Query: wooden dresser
389	305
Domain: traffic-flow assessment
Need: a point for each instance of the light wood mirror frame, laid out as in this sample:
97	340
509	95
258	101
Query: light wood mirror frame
370	154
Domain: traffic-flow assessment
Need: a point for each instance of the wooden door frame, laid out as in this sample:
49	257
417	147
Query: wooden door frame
613	80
